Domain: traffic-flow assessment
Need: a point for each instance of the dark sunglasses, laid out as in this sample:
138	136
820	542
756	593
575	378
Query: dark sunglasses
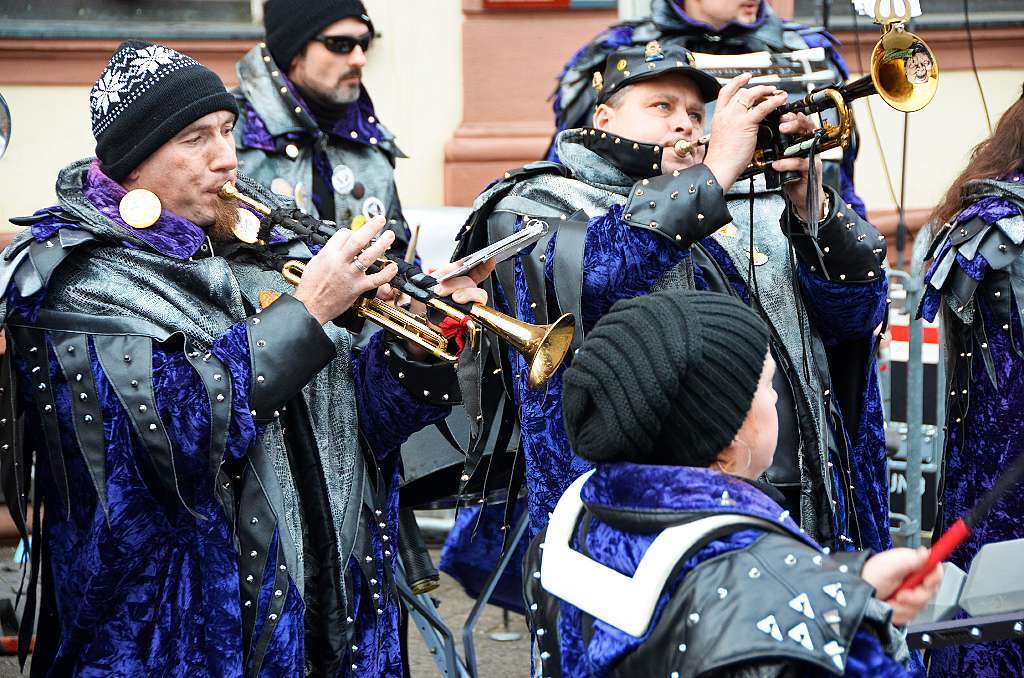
344	44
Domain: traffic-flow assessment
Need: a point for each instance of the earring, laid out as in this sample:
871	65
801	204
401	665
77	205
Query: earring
750	459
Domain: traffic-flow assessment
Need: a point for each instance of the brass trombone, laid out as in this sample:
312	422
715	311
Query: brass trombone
543	346
904	73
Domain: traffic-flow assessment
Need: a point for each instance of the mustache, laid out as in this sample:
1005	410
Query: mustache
354	73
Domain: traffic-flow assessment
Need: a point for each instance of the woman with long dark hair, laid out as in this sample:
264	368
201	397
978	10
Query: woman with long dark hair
977	280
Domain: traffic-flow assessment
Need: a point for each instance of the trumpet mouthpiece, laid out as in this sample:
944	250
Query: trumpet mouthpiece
684	148
228	191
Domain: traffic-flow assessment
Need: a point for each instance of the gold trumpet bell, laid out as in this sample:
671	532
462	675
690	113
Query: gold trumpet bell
903	68
543	346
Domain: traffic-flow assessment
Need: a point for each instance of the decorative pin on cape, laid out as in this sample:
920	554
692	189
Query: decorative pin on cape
247	228
653	51
140	208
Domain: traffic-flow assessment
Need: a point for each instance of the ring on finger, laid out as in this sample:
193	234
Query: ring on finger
360	265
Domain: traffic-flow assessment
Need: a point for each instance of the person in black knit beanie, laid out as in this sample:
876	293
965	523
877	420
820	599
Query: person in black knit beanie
291	24
310	131
669	558
668	379
146	95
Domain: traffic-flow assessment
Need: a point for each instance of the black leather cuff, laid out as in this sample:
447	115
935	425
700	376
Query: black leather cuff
287	347
847	249
433	382
685	206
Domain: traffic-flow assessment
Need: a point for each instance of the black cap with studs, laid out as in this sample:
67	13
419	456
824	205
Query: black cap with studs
636	64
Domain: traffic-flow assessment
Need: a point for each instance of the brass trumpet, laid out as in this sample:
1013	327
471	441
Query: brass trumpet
904	73
543	346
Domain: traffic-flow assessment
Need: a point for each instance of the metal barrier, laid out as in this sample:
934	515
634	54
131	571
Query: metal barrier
914	446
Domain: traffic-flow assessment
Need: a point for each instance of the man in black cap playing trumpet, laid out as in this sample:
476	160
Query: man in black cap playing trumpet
217	465
631	216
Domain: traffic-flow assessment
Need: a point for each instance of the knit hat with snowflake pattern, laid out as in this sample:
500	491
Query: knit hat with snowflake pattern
145	96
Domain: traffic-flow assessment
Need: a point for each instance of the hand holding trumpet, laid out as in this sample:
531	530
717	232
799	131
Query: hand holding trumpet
796	192
462	290
739	111
336	276
342	274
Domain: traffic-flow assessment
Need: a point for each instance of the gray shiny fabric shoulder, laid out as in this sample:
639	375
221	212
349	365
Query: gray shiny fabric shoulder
595	185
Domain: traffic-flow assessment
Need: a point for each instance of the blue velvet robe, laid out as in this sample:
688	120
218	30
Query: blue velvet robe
652	488
150	589
621	262
980	447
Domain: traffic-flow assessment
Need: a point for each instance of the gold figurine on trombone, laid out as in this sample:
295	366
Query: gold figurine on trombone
543	346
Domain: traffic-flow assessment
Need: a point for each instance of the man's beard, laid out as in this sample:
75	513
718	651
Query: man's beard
343	95
224	222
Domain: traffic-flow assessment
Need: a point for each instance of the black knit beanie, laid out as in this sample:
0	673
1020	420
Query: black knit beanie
666	378
290	24
146	95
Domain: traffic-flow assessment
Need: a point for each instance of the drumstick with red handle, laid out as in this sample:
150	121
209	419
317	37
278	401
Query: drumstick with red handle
959	531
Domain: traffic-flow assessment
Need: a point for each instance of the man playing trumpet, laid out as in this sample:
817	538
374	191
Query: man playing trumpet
218	466
713	27
632	216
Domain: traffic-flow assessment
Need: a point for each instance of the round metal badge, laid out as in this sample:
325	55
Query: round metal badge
760	258
282	187
140	208
247	228
373	207
343	179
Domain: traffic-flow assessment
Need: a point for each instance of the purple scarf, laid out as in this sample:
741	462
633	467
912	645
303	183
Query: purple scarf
171	235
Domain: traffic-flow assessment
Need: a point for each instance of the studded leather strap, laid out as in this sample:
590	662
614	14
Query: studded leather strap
31	346
685	206
127	361
287	347
432	382
72	352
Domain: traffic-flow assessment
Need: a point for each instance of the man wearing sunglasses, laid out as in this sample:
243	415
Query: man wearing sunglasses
307	129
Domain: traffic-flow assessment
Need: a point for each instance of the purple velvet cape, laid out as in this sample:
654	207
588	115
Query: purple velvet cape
675	488
154	591
979	448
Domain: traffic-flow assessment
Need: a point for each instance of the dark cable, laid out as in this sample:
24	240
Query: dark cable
751	270
974	67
